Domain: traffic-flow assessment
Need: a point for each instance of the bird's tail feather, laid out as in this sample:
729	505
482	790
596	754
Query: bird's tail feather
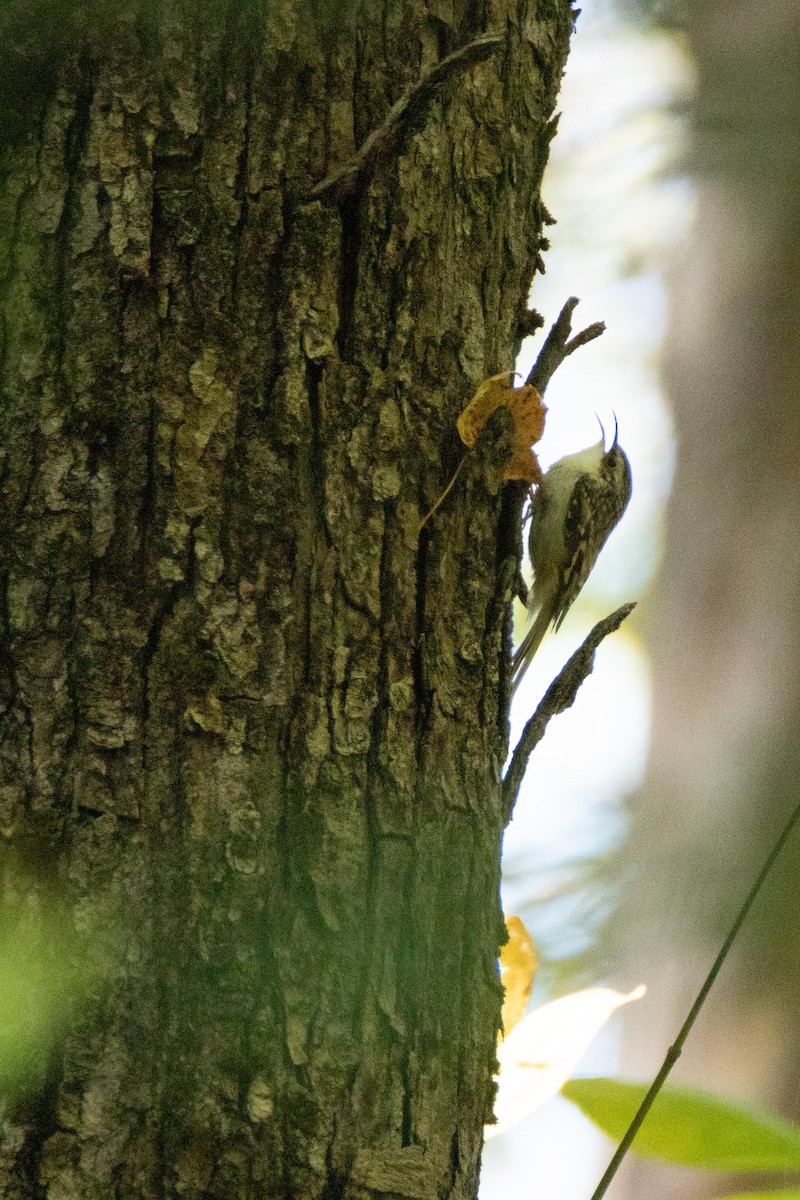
528	647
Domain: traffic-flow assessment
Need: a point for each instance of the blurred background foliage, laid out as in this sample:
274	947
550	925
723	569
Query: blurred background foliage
723	631
675	183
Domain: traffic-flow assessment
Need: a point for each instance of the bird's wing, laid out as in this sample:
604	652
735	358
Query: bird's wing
578	544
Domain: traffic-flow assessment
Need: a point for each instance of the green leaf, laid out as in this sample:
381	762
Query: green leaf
780	1194
689	1127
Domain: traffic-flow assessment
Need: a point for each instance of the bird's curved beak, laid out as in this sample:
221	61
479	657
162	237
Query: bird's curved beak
603	433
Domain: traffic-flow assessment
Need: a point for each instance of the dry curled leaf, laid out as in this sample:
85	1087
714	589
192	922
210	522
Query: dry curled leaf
518	965
527	412
490	395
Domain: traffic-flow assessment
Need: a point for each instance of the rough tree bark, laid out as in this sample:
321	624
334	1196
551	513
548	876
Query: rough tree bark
253	722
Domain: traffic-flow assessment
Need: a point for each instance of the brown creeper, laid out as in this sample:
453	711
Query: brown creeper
578	503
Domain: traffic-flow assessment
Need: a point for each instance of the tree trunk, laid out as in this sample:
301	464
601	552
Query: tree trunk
253	721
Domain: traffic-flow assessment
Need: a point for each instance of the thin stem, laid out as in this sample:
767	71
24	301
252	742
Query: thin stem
674	1051
428	515
344	180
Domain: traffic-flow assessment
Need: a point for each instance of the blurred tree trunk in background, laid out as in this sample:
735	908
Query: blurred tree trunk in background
725	763
252	721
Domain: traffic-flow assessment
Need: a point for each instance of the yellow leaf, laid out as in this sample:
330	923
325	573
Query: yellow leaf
527	412
518	965
490	395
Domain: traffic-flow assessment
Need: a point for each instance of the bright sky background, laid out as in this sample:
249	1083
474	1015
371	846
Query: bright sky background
615	186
